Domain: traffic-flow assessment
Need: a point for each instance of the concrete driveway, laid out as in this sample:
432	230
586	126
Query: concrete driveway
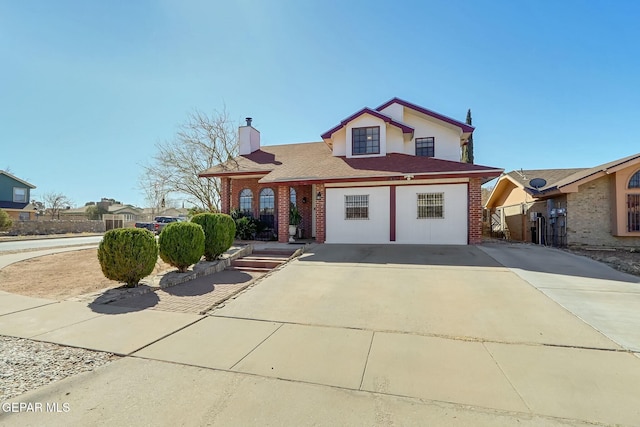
376	335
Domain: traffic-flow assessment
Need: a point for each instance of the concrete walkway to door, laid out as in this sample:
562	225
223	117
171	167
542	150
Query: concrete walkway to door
363	335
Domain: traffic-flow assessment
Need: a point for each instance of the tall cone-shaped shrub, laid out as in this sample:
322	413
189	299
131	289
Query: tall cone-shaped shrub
181	244
219	232
128	254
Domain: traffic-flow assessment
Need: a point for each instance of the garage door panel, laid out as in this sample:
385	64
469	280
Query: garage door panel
451	229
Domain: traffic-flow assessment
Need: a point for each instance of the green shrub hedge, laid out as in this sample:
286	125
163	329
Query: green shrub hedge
181	244
128	254
219	232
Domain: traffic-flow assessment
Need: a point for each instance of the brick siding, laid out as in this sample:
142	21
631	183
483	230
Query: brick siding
589	213
475	212
320	214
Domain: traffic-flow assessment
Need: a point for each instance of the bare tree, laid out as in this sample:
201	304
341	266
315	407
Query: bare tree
54	202
203	141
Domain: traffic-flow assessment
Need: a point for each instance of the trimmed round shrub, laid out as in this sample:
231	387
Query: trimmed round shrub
181	244
128	254
219	232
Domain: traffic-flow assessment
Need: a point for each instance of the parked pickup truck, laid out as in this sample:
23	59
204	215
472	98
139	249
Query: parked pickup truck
158	223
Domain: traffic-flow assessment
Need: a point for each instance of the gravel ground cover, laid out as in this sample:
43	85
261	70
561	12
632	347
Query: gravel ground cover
26	365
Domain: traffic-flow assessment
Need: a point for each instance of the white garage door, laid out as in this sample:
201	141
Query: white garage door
432	214
357	215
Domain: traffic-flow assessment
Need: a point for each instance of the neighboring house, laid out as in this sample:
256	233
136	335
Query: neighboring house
15	195
386	175
588	206
129	212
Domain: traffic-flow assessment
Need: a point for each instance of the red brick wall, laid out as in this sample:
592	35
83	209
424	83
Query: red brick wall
225	195
282	207
320	214
475	212
305	209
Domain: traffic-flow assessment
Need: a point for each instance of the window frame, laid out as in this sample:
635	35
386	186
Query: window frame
634	181
429	148
263	198
242	199
24	197
356	207
355	152
423	206
293	196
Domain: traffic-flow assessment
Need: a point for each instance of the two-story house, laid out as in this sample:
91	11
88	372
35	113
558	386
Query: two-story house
15	195
386	175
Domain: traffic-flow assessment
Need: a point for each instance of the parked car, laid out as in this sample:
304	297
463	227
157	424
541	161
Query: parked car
158	223
162	221
148	225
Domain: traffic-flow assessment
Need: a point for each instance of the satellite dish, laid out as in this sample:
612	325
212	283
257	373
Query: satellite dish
538	183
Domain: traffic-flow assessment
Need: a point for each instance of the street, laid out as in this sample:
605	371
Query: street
48	243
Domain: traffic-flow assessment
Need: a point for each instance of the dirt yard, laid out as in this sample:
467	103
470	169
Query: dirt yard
60	276
627	260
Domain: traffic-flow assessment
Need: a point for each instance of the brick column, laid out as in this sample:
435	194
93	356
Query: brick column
320	213
225	195
283	213
475	211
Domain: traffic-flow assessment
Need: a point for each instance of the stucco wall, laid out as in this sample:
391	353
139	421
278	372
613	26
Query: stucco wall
447	139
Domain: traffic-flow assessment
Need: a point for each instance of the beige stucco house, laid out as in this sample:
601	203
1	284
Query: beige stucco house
586	206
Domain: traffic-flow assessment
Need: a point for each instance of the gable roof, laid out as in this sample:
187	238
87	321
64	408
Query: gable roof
314	162
559	180
403	127
522	178
465	127
589	174
17	179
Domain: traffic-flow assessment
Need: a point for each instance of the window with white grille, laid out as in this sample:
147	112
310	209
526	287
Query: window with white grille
430	205
356	207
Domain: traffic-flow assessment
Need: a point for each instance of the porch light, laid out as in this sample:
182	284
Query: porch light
319	195
304	199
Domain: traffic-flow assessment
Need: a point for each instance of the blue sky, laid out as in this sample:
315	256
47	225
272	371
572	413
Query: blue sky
88	88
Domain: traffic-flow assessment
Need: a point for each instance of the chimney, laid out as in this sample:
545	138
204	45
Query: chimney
248	138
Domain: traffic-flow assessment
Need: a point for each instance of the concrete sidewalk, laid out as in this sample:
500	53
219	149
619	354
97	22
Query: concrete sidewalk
346	335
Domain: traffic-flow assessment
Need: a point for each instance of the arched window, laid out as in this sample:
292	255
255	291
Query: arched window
267	206
633	203
634	182
246	200
292	196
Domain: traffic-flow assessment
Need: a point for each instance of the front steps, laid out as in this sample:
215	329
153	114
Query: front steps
263	260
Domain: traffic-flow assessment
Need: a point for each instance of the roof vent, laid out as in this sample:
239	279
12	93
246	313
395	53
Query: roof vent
248	119
538	183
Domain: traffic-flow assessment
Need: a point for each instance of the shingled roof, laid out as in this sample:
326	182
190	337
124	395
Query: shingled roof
314	162
551	176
